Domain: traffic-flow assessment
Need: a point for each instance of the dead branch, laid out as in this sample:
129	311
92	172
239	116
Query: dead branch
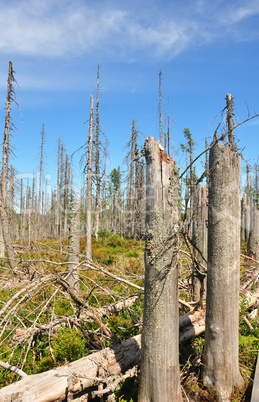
14	369
91	312
97	267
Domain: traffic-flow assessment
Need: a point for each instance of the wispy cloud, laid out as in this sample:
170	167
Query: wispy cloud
64	29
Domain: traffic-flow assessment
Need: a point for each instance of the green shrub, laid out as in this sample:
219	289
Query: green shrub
128	391
103	233
114	240
63	308
131	254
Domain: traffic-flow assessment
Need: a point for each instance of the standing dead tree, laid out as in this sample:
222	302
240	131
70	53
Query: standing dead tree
97	158
160	377
253	241
221	366
199	241
88	242
5	229
160	106
74	245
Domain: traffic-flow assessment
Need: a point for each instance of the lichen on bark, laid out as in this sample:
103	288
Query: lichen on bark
160	379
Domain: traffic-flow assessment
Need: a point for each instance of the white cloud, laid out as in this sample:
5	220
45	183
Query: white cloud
56	28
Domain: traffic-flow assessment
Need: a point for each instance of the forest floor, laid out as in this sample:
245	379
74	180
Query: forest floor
44	325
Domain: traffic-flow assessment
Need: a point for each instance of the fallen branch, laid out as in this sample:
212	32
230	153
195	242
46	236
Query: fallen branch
104	367
97	267
22	334
248	323
16	370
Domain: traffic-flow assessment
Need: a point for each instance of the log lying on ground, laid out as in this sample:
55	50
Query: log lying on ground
87	372
99	367
191	325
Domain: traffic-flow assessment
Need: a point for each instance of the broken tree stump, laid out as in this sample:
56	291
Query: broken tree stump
221	365
159	370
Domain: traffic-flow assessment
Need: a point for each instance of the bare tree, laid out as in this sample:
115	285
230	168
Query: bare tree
41	171
200	242
253	241
160	106
5	230
88	243
74	245
97	157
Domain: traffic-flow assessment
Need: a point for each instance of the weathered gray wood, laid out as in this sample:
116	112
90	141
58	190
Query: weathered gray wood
200	241
159	375
247	218
230	113
88	241
253	241
243	204
255	392
6	141
54	384
221	368
74	245
5	237
97	157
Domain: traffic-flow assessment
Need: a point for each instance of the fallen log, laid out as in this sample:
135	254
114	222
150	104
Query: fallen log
75	377
191	325
100	367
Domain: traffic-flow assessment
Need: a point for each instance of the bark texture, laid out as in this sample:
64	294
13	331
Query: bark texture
159	377
200	241
6	142
253	242
73	378
74	246
221	368
88	244
6	235
5	157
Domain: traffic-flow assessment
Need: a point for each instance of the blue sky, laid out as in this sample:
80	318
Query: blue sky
204	49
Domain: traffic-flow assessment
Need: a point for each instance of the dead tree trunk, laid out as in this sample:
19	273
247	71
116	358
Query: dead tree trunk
243	205
221	369
61	193
88	243
253	241
200	241
160	377
131	183
5	235
160	106
97	158
57	204
74	245
29	216
66	185
247	217
6	142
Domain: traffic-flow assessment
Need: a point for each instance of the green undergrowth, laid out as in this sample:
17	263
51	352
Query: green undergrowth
113	249
43	351
124	258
